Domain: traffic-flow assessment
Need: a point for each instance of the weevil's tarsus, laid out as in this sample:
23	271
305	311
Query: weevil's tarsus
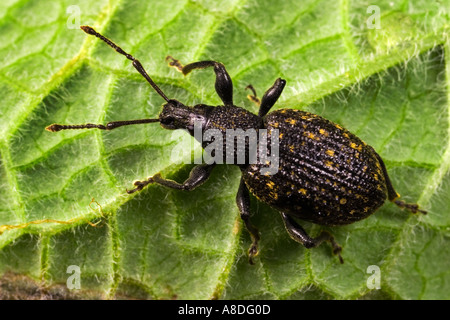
174	63
253	97
140	185
198	175
109	126
412	207
136	63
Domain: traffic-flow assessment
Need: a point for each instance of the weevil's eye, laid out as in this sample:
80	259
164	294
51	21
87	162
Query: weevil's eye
168	122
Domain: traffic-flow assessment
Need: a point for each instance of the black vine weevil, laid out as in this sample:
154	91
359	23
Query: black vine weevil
325	174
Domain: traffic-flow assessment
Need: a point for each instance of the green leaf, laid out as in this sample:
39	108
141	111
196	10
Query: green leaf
390	86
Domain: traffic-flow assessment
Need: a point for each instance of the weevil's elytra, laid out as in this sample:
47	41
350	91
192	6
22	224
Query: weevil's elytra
325	175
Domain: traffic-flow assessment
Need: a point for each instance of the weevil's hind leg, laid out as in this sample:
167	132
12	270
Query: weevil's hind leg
271	96
253	97
393	195
223	85
243	203
297	233
198	175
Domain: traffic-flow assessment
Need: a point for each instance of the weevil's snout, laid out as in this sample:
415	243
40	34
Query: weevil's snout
175	115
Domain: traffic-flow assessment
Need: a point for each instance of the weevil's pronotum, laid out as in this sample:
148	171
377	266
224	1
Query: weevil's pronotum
325	175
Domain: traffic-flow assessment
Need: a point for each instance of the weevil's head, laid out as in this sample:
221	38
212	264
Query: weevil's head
176	115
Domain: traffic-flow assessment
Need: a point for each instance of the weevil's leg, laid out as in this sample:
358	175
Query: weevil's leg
393	195
198	175
297	233
253	97
271	96
223	85
109	126
243	203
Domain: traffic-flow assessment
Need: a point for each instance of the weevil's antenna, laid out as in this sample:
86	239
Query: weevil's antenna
136	63
109	126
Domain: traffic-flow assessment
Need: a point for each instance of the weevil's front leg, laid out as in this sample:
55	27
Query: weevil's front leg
224	85
199	174
297	233
243	203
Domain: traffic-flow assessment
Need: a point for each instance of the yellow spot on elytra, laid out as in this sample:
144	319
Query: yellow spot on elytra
338	126
375	176
281	135
345	134
352	211
356	146
275	124
303	191
364	168
323	132
343	201
330	152
366	209
311	135
291	121
291	148
270	184
328	163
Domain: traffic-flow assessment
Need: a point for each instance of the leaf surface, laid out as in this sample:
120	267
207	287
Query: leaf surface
390	86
